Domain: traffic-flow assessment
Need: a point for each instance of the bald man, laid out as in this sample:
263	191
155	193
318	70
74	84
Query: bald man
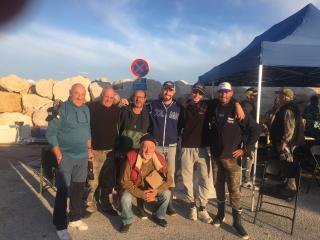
104	116
70	139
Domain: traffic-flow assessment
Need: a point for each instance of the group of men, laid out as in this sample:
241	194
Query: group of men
126	145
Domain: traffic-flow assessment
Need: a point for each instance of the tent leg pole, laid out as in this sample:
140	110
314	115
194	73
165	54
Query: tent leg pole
256	146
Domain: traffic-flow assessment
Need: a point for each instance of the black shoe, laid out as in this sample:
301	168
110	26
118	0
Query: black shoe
170	210
87	214
124	228
141	213
160	222
219	218
238	225
108	209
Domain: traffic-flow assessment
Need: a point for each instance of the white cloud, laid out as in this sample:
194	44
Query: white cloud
183	55
288	7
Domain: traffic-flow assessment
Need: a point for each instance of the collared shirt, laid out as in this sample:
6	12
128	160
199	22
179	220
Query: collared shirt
70	130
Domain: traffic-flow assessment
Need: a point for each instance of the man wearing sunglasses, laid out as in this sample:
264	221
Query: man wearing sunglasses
69	136
196	150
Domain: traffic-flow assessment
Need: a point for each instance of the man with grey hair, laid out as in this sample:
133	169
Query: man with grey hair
70	139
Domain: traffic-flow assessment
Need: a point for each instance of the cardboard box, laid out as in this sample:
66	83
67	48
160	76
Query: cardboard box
154	179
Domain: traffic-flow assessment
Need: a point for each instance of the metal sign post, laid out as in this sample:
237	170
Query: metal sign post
139	68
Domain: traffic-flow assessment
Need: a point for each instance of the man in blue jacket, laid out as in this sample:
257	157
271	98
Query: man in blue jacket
165	127
70	139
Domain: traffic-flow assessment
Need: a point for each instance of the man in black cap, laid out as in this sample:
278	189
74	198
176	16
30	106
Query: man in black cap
165	118
195	144
139	165
249	107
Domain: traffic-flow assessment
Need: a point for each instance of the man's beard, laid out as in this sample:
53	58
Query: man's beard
167	98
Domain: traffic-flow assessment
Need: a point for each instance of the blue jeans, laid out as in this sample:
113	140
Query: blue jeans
163	198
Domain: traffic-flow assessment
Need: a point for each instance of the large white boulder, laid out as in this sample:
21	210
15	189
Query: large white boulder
8	134
61	88
10	102
183	89
123	87
153	89
9	119
14	83
39	116
44	88
32	102
102	79
95	88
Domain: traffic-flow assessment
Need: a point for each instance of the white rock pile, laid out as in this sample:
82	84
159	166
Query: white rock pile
21	100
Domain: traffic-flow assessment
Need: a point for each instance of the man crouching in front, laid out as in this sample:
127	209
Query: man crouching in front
139	165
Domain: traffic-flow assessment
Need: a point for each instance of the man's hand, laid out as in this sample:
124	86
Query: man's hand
238	153
90	154
150	195
57	152
57	103
124	102
239	111
283	147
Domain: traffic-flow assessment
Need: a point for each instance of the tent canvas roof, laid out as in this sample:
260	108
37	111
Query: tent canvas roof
290	49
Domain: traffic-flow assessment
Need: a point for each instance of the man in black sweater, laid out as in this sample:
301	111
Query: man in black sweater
195	151
104	117
227	148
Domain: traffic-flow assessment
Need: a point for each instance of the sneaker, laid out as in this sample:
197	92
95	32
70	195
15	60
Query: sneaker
91	207
171	212
63	234
247	184
80	225
193	214
108	209
204	216
160	222
141	213
217	221
125	228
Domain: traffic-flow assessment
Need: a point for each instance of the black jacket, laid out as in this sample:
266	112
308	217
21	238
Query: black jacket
229	134
277	130
132	127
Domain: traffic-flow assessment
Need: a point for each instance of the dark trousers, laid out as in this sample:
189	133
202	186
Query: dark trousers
60	205
229	171
70	181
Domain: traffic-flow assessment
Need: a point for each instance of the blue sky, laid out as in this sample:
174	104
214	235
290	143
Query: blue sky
181	39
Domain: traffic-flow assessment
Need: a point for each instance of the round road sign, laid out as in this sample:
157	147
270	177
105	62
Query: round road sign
139	67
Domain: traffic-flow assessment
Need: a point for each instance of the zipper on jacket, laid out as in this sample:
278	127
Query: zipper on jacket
165	122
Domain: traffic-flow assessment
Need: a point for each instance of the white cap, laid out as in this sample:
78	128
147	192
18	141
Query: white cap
225	86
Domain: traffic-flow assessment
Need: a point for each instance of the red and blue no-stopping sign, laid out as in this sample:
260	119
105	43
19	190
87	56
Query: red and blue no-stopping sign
139	67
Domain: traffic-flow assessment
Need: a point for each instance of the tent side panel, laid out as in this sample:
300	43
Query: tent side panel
278	54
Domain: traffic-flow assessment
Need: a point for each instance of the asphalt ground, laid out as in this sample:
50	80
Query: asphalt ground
25	214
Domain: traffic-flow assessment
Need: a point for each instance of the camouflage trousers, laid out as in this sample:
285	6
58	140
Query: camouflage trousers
104	176
228	171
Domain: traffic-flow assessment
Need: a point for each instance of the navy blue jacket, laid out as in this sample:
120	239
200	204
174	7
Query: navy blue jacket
165	122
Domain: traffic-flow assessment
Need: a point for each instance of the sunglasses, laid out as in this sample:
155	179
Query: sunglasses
197	92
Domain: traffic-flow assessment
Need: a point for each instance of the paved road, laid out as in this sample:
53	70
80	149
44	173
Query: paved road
26	215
